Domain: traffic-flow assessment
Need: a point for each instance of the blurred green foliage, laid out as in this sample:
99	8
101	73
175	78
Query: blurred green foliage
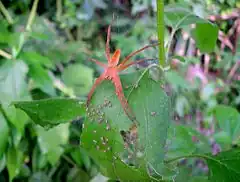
183	113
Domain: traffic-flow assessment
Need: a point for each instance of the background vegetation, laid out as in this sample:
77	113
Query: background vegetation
45	48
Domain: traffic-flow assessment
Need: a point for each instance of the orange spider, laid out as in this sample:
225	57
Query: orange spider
111	71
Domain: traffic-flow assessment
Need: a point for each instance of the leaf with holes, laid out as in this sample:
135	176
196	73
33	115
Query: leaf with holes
151	105
153	113
51	112
105	145
105	95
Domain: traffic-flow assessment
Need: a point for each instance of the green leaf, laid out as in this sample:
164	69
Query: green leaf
14	162
2	163
79	77
17	41
223	139
52	140
39	160
151	105
105	145
224	166
105	93
81	158
4	130
183	174
4	34
38	73
153	113
205	35
77	174
39	177
51	112
228	119
176	80
35	58
38	36
42	79
102	138
25	171
178	16
181	141
199	179
13	81
180	58
17	117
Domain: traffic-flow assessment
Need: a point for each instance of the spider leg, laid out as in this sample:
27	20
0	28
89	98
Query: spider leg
107	49
97	82
122	67
138	51
122	99
98	63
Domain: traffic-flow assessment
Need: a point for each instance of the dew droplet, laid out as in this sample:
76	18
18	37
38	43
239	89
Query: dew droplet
83	125
94	131
94	141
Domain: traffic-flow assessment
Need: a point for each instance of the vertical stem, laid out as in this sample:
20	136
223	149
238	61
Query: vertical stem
32	15
5	13
59	9
160	29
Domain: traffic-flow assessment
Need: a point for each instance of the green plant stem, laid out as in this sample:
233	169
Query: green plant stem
59	9
160	29
32	15
69	160
5	13
5	54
